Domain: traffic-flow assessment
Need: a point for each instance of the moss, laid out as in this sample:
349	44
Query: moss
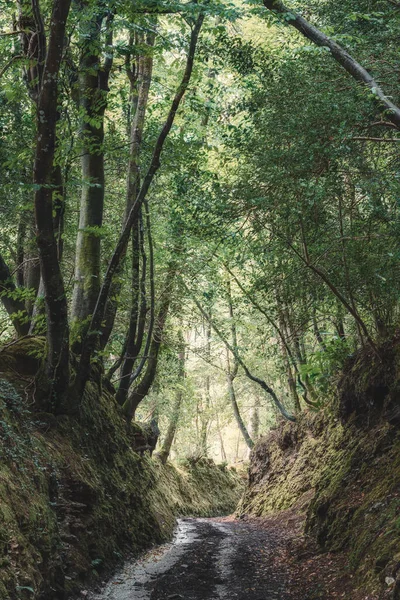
353	476
75	497
348	462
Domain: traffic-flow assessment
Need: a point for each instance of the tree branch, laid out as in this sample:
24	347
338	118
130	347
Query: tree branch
362	138
248	373
354	68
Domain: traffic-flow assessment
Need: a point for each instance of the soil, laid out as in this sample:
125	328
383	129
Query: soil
225	558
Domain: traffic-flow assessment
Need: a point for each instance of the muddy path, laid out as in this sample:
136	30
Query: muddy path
225	559
209	559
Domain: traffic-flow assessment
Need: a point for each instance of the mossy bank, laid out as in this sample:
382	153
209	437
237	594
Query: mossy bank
344	466
75	497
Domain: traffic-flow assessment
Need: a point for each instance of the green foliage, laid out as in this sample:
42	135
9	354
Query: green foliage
269	170
323	365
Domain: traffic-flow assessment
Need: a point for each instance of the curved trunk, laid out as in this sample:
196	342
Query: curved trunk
236	412
231	374
289	359
143	387
91	340
139	107
134	335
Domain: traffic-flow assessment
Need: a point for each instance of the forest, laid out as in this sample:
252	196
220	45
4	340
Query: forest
199	247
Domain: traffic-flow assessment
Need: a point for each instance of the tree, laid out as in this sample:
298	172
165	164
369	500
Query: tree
48	64
93	80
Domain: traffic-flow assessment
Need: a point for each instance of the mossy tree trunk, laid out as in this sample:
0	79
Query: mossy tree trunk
93	91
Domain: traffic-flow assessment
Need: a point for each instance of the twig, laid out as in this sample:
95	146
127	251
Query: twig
383	124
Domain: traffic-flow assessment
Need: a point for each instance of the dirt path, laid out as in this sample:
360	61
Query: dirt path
226	559
209	559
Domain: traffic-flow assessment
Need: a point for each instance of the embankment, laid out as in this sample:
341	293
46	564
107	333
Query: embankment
75	497
343	466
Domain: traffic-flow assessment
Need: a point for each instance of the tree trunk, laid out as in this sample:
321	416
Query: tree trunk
205	399
56	304
236	412
136	341
231	373
339	323
138	109
255	420
91	340
289	361
143	387
93	91
36	308
221	439
176	409
19	276
59	208
131	347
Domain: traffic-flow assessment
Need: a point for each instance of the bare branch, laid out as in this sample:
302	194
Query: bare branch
362	138
383	124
